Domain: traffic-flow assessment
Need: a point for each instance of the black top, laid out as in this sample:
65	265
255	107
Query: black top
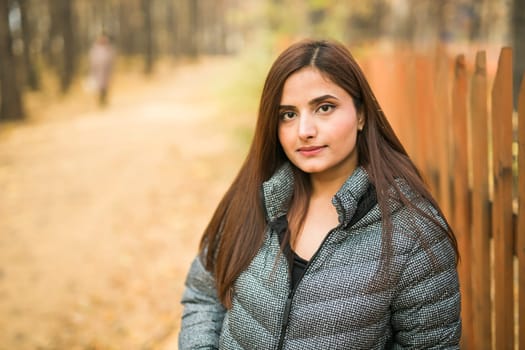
298	267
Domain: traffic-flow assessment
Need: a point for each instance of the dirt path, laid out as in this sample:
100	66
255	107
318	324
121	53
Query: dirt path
101	212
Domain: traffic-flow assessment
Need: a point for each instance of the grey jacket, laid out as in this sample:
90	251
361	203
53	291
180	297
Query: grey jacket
340	303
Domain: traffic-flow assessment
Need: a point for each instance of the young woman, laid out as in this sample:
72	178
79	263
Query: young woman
328	237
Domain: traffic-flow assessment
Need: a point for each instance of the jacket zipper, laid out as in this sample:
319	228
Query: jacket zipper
288	305
286	316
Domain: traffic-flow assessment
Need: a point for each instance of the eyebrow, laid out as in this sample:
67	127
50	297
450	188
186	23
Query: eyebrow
312	102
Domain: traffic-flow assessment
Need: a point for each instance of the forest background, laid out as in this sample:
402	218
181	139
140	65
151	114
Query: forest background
101	209
51	39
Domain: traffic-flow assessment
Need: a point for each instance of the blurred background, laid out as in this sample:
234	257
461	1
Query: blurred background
122	122
51	39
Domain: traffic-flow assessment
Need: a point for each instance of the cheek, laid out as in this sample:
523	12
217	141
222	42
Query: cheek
283	134
344	140
346	131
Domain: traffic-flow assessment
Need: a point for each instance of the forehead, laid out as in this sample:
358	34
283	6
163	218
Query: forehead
308	83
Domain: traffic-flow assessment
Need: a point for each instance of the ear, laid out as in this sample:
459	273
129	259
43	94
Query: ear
360	121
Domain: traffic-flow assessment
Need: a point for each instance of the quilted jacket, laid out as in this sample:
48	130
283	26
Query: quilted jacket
340	303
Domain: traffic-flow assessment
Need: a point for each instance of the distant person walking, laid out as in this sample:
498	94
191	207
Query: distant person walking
101	57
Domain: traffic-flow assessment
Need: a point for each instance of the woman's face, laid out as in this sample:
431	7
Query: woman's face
318	125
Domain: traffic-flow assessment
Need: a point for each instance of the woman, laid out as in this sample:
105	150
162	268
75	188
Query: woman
328	237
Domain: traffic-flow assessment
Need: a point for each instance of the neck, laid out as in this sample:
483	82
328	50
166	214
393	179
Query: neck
327	186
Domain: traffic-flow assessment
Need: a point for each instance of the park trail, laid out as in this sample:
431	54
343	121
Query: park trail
101	210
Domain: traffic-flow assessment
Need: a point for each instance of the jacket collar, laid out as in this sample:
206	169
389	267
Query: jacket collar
278	190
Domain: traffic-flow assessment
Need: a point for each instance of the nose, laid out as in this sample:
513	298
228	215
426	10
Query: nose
307	127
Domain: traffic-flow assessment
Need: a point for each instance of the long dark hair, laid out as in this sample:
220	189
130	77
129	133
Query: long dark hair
237	228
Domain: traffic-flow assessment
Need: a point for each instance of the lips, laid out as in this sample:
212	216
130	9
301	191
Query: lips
310	150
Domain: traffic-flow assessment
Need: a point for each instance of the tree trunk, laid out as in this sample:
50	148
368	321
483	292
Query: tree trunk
193	38
69	44
62	45
148	36
10	98
31	75
172	28
125	37
220	17
518	32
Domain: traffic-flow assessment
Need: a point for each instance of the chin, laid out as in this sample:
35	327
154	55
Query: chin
312	169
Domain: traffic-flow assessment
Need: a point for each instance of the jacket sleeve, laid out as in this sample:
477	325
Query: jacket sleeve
203	312
426	309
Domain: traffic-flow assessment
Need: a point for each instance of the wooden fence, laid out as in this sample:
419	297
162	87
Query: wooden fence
458	123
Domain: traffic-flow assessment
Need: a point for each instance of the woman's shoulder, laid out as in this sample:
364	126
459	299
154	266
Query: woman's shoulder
416	215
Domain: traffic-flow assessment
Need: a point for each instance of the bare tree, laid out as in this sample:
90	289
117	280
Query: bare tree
31	74
10	98
127	33
62	38
148	36
69	43
194	27
172	27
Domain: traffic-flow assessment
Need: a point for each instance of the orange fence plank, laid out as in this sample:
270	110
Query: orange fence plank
461	192
480	262
412	133
502	204
520	249
442	122
425	113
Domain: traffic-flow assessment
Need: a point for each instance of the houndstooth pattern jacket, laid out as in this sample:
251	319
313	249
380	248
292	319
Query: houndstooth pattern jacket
339	303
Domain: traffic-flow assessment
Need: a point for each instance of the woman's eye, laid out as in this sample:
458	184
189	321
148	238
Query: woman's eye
287	115
326	108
